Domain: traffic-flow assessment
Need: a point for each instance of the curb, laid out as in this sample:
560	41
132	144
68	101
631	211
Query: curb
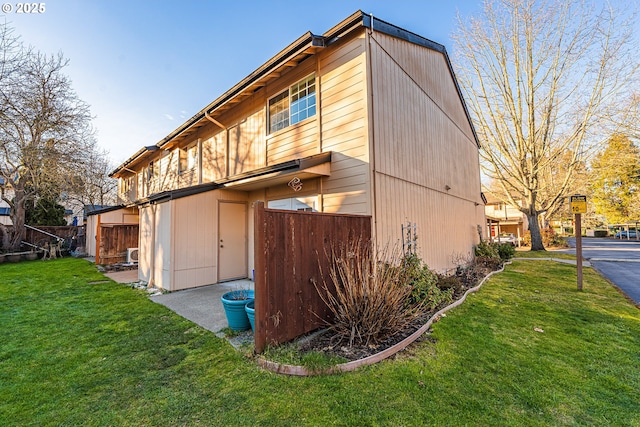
280	368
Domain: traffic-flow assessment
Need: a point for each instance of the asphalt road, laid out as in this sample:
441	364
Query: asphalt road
617	260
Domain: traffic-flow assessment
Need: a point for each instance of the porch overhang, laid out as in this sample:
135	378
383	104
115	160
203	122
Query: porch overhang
504	221
307	168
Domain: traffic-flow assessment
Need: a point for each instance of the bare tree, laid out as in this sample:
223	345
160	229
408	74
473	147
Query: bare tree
90	183
543	78
44	130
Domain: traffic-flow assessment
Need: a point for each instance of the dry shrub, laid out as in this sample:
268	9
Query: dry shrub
372	300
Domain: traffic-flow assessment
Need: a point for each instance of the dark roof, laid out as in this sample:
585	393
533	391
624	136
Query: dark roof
98	209
356	20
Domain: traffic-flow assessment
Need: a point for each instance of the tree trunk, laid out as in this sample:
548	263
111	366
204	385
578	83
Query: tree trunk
4	238
18	218
534	229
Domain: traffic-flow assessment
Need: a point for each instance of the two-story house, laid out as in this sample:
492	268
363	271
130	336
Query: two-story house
503	218
366	118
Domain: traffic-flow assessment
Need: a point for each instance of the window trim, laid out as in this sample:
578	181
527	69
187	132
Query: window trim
126	184
310	77
153	170
186	149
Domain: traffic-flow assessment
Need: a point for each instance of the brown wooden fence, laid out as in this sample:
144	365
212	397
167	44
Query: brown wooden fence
64	231
67	232
290	254
114	240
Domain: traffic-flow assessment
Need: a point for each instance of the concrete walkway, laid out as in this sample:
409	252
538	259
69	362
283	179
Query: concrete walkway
202	305
562	260
127	276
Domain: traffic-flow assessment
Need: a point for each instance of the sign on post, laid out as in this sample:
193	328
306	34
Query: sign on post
578	204
578	207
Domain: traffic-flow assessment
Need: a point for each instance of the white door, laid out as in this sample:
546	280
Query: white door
232	241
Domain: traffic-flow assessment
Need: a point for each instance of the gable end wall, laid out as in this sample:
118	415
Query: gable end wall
426	165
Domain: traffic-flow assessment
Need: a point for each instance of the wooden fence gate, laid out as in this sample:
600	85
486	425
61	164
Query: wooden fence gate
291	249
113	242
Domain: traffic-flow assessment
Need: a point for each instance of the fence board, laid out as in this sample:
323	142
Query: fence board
73	235
115	239
65	232
291	251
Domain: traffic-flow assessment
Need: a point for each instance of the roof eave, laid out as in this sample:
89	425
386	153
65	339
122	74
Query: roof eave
304	42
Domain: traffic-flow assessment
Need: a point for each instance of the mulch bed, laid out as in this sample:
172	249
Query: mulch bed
330	343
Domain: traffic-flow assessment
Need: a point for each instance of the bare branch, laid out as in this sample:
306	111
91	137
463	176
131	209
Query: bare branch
542	79
45	129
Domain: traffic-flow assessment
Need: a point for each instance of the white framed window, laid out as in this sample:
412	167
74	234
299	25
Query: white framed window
293	105
188	158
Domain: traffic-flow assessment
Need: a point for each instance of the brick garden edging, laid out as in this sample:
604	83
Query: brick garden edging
285	369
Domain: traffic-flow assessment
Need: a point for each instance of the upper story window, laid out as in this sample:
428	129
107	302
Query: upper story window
293	105
188	158
153	171
126	184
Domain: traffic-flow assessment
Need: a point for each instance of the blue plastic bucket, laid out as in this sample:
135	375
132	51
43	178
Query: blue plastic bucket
251	314
233	303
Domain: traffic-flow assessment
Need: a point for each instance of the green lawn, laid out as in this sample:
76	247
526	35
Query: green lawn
74	352
526	253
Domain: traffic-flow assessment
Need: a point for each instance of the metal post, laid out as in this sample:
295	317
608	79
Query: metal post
579	249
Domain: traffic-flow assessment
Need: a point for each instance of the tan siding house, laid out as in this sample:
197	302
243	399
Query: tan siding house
364	119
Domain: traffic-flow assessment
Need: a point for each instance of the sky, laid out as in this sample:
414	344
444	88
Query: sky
145	67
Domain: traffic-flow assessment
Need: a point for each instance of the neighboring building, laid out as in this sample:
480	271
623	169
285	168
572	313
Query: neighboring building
5	213
365	119
504	218
5	210
96	215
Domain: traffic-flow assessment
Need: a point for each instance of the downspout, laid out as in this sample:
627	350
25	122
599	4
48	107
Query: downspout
214	121
319	120
152	248
199	166
372	135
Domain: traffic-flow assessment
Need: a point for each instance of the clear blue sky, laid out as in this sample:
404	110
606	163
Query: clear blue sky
145	67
